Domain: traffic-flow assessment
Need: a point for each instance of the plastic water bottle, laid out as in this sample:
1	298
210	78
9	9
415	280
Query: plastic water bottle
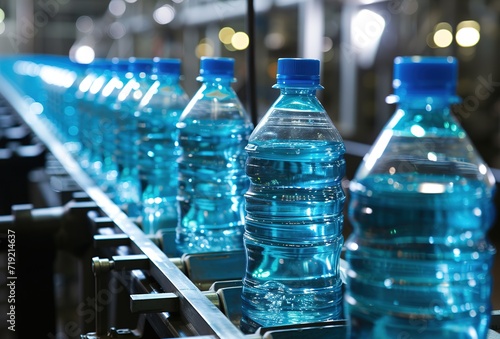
97	93
70	116
421	205
159	148
128	188
88	91
214	130
81	114
57	75
293	232
105	109
52	73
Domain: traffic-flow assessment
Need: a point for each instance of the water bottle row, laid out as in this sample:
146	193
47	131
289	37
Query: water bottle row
129	125
421	202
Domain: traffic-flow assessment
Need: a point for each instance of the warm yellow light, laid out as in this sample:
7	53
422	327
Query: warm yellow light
468	33
240	40
204	49
443	38
226	34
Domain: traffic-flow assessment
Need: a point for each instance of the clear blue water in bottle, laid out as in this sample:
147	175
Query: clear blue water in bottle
214	130
421	205
81	116
53	71
95	131
57	75
128	187
87	92
159	149
71	128
293	232
105	110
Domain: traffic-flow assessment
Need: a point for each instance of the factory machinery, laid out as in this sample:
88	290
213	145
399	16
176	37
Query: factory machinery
84	269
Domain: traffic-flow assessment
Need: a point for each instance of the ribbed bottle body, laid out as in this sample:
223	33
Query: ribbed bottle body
159	150
126	150
212	178
293	232
421	205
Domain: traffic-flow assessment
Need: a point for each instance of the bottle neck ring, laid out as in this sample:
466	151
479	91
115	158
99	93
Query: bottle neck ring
298	88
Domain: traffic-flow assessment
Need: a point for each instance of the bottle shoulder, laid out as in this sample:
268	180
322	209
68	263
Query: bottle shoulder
215	103
290	121
216	92
438	122
430	146
298	102
166	97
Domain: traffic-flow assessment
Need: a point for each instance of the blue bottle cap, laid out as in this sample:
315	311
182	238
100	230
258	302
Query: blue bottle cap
167	66
298	72
217	67
425	76
138	65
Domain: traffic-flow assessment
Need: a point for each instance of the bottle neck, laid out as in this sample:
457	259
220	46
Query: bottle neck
307	91
166	79
217	90
298	99
427	103
216	82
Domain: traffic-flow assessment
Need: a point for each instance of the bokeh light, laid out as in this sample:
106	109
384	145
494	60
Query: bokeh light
204	48
226	34
468	33
164	14
83	54
274	40
117	30
240	40
443	38
117	7
85	24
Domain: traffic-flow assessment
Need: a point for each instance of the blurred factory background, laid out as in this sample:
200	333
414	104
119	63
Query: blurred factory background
356	41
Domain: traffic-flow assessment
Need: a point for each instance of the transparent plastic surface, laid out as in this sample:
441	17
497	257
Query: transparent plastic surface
98	92
158	152
421	205
87	93
214	130
105	110
293	232
126	108
70	126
